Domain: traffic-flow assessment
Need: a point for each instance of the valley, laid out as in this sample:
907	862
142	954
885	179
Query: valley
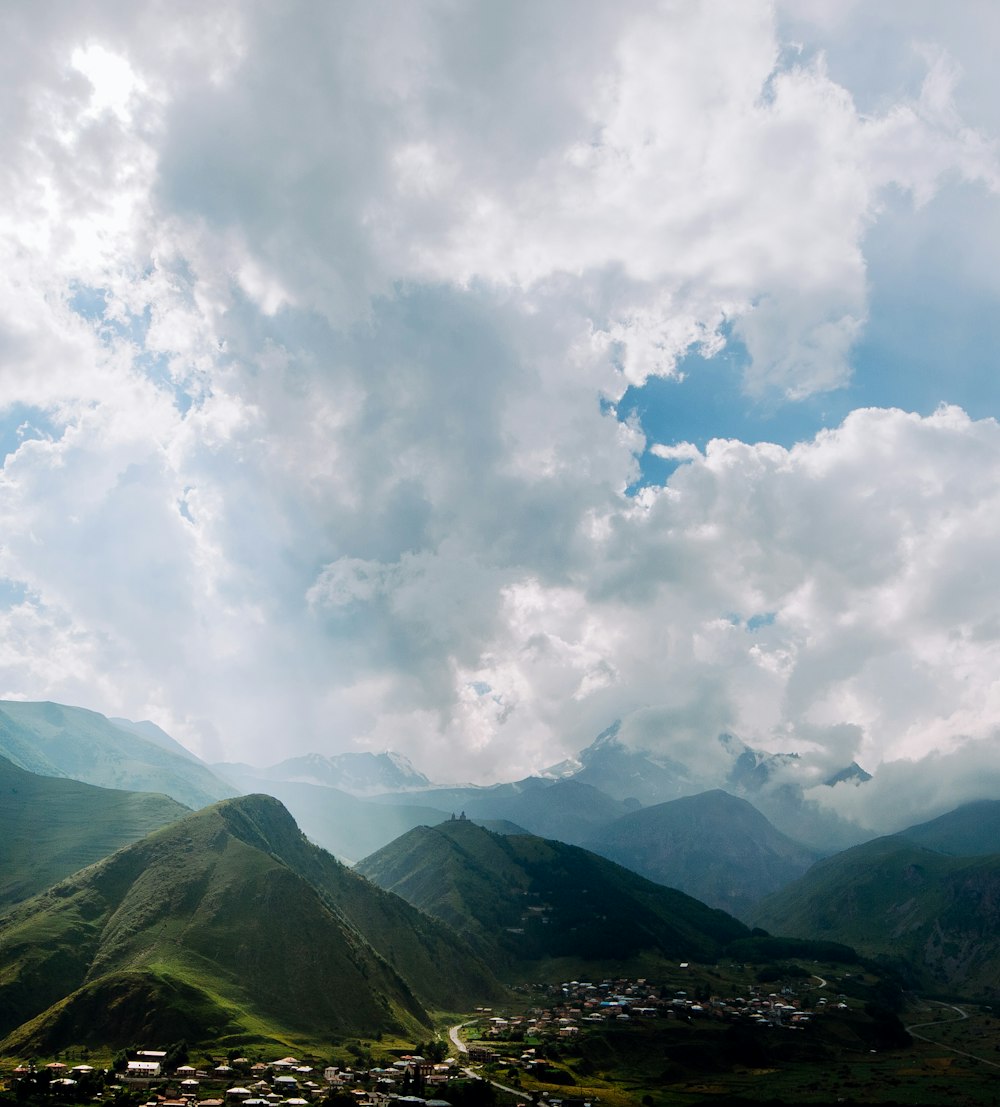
641	952
705	1033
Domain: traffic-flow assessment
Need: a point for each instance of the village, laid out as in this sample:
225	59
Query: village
575	1005
489	1048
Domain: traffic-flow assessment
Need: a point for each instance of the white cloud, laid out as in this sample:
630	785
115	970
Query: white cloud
321	310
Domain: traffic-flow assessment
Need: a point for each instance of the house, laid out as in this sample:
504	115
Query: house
146	1070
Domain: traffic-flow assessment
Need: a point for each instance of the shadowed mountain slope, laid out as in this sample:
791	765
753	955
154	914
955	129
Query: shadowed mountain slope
892	899
437	965
52	826
522	899
714	846
972	830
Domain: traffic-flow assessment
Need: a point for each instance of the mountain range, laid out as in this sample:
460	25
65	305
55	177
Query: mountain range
53	740
519	897
604	781
360	773
572	801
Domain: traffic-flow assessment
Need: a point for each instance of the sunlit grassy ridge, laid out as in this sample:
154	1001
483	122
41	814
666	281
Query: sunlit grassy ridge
212	925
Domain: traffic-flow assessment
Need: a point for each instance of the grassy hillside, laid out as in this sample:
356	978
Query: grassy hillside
972	830
51	826
523	899
891	899
714	846
205	917
53	740
439	968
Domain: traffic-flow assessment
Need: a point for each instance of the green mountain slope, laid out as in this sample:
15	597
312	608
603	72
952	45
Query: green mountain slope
889	898
203	925
523	899
714	846
53	740
437	965
52	826
972	830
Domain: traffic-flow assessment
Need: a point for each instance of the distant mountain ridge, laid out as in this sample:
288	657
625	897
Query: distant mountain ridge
714	846
568	810
347	826
571	801
51	739
357	773
762	778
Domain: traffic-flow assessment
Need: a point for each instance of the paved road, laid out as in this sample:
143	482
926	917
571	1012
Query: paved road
473	1075
913	1027
456	1041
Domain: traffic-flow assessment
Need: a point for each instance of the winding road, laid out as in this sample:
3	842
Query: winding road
913	1027
461	1047
456	1041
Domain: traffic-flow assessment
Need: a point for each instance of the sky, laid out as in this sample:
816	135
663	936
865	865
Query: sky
457	378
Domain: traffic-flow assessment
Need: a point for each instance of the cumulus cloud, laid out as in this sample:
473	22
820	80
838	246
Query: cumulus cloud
325	313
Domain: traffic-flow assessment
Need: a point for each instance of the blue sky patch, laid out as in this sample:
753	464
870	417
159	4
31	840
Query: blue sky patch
22	422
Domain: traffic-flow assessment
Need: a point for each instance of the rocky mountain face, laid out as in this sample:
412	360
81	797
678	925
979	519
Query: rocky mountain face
626	774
